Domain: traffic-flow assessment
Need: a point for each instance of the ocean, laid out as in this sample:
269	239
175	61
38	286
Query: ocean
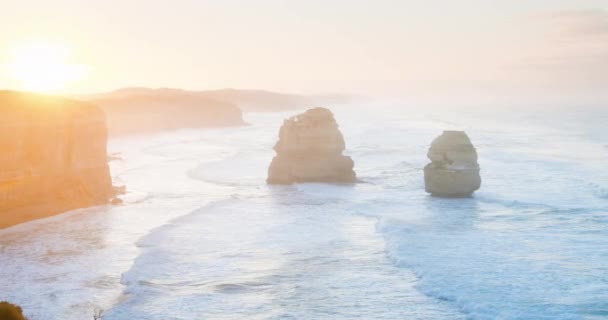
201	236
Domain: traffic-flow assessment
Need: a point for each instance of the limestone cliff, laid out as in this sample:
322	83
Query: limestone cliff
310	150
453	171
53	157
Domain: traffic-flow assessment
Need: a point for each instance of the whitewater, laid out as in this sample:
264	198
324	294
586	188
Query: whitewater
201	236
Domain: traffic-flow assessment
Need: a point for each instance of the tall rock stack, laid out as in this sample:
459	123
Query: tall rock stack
453	171
310	150
52	157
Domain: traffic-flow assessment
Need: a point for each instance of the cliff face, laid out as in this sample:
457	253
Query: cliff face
310	150
53	157
453	171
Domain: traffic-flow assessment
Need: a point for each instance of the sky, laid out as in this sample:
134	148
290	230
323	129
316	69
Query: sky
546	50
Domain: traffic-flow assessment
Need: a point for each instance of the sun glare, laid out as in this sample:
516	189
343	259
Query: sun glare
44	67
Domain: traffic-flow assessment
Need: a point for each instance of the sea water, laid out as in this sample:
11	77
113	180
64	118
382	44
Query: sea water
201	236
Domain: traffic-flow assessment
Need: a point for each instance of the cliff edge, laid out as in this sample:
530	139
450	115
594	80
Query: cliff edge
310	150
53	157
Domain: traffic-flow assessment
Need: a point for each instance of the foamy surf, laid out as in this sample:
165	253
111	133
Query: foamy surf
202	236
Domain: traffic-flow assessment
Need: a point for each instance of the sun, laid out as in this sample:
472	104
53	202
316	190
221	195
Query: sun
43	67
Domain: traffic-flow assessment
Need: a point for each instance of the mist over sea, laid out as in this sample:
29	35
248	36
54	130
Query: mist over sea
201	236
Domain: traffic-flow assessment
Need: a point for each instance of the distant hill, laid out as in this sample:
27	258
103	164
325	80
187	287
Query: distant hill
140	110
246	100
260	100
267	101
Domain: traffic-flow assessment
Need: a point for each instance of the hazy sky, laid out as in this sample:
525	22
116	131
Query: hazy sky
460	48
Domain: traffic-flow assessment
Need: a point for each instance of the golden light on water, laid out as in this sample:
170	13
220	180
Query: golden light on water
43	67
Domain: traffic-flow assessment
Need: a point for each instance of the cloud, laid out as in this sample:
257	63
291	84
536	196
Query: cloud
565	53
573	35
579	24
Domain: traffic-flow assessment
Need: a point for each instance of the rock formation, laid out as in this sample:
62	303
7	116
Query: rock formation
453	171
53	157
310	150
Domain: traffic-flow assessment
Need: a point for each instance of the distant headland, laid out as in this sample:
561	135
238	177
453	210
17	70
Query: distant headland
136	110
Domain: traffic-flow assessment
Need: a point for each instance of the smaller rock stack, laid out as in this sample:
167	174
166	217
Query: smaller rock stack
453	171
310	150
